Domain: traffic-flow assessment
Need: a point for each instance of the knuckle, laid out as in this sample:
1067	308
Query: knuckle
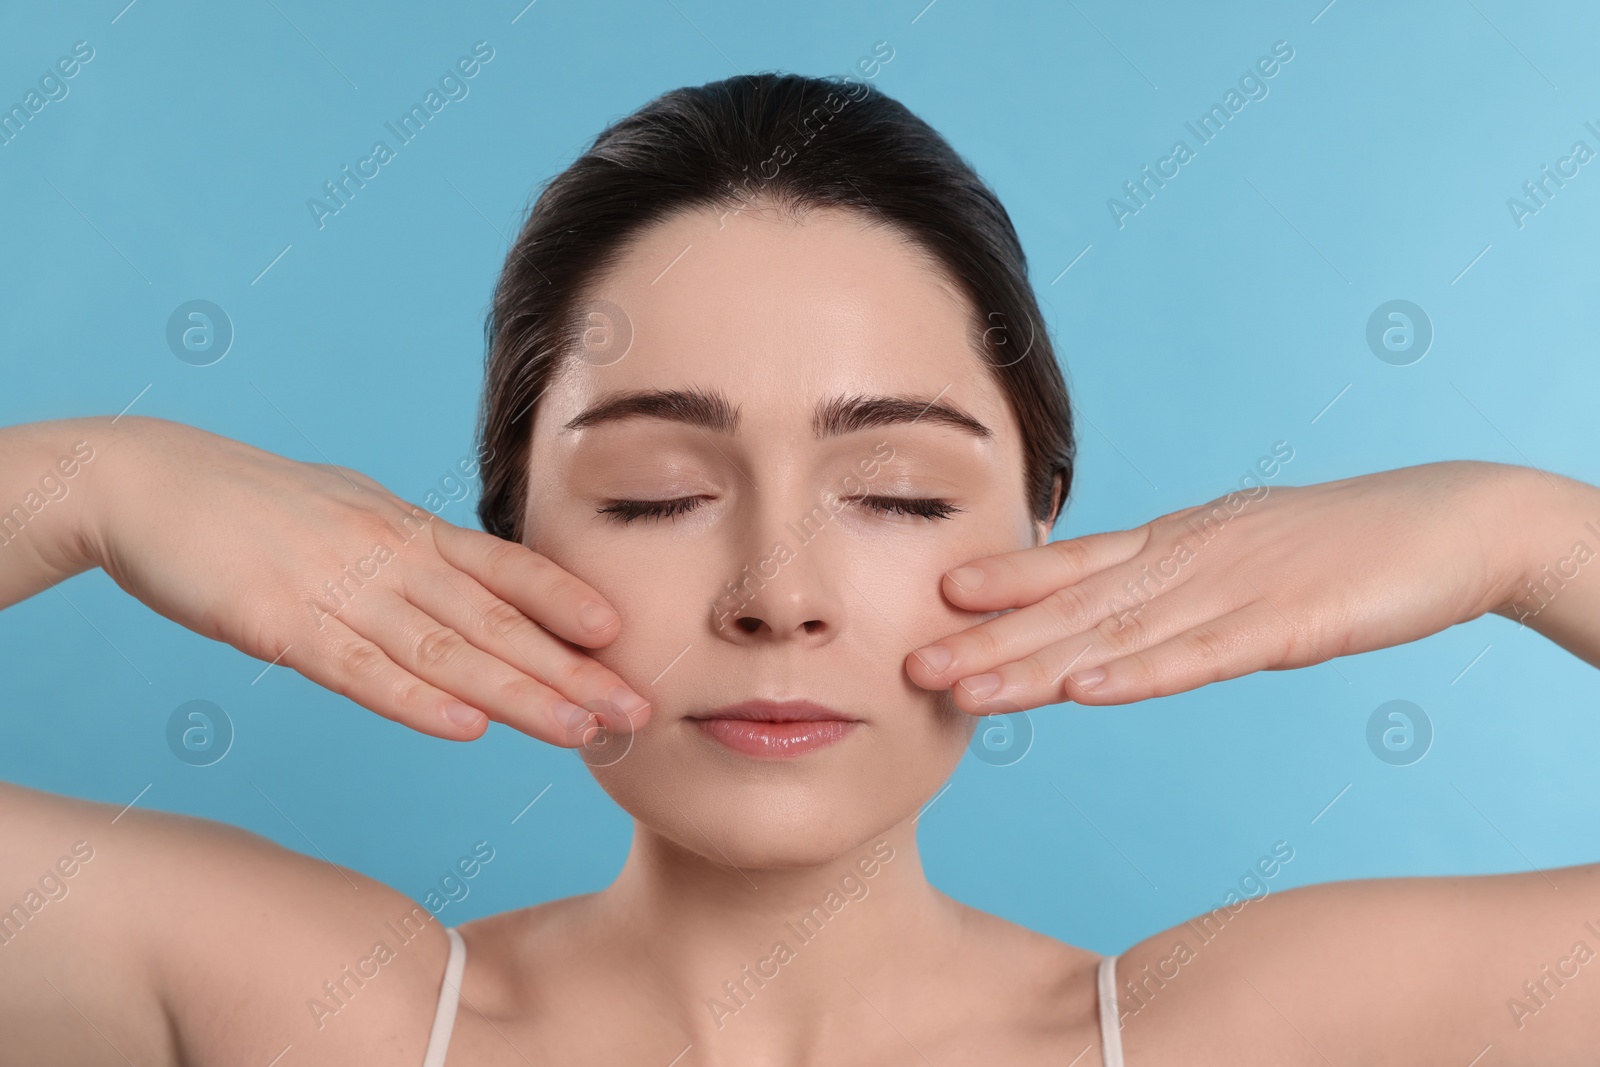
981	645
1209	645
350	474
1125	630
377	530
361	659
1065	609
504	619
1072	555
504	554
409	693
438	648
580	675
1037	675
520	691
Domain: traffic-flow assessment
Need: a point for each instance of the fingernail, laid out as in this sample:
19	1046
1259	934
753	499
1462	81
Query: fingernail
981	686
1090	678
462	715
570	715
628	702
935	657
967	578
593	616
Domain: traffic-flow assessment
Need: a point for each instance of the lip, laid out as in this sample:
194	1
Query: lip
777	711
771	729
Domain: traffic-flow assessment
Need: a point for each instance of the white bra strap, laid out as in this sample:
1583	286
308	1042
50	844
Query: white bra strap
1110	1024
444	1019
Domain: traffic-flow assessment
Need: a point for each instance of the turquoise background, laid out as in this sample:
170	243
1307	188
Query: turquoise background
1230	313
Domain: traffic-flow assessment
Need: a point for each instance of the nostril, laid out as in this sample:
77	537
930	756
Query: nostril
751	624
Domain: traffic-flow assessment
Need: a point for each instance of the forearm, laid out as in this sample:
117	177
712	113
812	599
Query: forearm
1556	590
47	470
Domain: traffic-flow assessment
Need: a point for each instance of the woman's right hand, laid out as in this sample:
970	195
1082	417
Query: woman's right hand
320	568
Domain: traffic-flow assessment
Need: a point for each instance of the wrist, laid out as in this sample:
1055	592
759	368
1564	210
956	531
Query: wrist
114	443
47	500
78	453
89	440
1552	530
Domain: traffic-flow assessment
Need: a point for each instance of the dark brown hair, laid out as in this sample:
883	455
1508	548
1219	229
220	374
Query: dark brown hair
792	141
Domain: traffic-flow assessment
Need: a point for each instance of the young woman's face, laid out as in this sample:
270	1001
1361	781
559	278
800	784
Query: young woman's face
809	388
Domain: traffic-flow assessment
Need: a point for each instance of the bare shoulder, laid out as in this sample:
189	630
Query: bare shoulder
1403	970
166	938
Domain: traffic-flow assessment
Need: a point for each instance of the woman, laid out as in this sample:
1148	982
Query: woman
774	443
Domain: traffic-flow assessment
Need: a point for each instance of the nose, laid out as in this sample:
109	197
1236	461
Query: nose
786	593
773	619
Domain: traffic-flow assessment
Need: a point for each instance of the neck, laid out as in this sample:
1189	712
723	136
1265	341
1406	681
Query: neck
752	963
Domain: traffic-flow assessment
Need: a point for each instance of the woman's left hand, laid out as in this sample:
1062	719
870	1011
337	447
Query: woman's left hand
1289	577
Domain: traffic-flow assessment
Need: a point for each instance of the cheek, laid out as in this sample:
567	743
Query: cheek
646	583
655	628
659	613
907	589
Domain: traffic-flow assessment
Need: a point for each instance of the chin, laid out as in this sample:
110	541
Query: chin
805	811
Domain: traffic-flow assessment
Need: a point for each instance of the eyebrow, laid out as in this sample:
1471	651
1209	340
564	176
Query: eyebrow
834	416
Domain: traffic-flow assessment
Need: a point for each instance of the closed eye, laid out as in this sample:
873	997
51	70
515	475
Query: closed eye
627	511
927	507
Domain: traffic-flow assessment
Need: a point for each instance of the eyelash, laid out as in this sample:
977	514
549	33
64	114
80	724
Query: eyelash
626	511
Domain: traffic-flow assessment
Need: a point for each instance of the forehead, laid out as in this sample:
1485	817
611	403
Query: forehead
775	313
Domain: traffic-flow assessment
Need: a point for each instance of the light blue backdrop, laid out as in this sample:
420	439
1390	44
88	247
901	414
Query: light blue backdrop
1229	313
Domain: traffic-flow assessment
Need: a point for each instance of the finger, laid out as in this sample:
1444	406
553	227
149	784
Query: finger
439	655
341	660
1058	614
1012	579
544	592
1253	638
461	604
1035	676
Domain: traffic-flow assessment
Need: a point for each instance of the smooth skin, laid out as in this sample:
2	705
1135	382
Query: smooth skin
188	942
